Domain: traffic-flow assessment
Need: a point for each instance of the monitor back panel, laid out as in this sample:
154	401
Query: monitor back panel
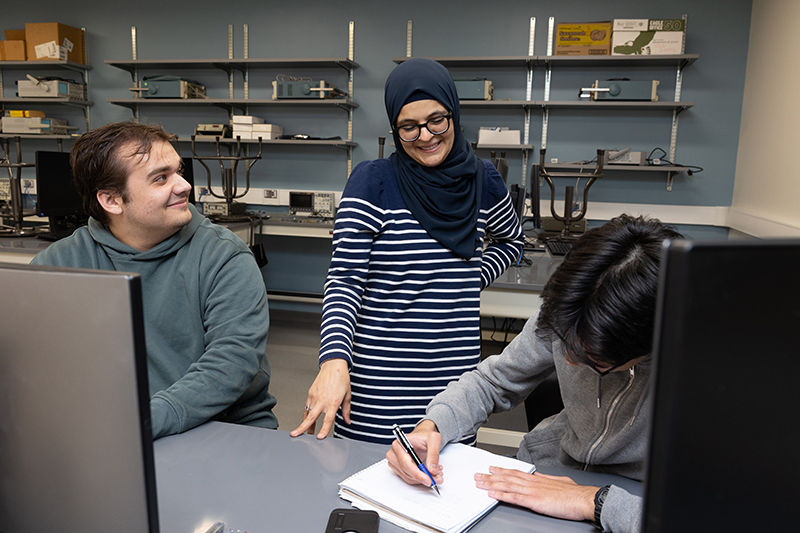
75	442
56	194
724	429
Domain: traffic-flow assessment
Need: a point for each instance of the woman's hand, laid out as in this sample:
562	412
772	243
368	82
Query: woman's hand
330	389
549	495
426	441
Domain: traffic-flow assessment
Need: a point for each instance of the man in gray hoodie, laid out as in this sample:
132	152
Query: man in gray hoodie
595	331
205	304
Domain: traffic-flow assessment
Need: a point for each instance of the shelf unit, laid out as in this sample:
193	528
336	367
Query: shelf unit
46	65
548	63
244	66
678	61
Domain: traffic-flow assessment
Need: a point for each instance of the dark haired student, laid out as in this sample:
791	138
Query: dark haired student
595	330
205	305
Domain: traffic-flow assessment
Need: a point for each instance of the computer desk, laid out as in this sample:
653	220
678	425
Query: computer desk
516	293
261	480
20	250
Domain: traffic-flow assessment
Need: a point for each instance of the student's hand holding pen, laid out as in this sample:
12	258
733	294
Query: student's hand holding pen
427	443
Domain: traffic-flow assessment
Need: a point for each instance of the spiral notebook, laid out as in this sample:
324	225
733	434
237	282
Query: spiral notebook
418	508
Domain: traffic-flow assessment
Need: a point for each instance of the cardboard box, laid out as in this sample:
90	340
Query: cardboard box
583	39
499	136
12	50
247	119
14	35
266	131
648	37
53	40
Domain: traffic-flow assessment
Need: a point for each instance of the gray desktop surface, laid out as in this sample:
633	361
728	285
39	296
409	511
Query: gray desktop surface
529	277
259	480
24	245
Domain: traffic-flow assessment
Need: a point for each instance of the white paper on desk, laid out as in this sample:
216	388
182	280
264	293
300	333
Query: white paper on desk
418	508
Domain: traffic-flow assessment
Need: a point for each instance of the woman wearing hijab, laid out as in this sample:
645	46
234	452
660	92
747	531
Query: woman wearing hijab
417	237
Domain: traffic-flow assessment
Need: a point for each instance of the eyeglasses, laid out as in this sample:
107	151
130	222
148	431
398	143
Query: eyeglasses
606	372
590	363
436	125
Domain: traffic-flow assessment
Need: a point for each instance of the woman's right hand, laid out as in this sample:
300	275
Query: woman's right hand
330	389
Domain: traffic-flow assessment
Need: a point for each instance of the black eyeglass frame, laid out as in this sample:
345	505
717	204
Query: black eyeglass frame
591	365
419	127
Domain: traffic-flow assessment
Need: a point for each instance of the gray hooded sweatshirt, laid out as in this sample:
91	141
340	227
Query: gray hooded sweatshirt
206	321
603	426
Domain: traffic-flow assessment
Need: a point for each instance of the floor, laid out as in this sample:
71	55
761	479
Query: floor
292	350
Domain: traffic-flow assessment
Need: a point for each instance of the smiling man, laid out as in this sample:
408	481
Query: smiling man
205	304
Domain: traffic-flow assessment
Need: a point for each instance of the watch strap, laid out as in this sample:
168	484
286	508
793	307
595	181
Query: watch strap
599	500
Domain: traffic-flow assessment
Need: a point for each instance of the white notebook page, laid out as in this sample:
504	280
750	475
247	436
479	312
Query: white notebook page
460	503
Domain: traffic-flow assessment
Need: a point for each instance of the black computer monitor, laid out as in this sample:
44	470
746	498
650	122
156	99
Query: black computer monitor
188	175
727	355
76	450
56	195
536	197
517	194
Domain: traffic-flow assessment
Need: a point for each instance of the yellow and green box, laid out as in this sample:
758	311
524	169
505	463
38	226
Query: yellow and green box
583	39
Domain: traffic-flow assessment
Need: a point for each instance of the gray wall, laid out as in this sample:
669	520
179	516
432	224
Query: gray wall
180	29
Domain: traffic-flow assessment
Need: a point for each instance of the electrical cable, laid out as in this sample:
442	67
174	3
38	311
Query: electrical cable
691	168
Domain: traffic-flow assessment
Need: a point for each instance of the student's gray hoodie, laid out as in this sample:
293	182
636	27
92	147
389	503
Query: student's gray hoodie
603	426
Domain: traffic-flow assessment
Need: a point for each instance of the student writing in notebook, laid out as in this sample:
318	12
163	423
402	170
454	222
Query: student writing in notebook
595	331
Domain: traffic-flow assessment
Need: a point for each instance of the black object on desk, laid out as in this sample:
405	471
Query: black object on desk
56	196
558	245
355	520
724	440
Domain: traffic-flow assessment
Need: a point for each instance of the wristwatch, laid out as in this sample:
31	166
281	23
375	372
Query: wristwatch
599	500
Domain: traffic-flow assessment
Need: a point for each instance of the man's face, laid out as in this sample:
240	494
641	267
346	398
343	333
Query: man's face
156	200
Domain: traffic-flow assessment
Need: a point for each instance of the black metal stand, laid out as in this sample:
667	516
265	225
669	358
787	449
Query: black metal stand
230	188
15	192
568	217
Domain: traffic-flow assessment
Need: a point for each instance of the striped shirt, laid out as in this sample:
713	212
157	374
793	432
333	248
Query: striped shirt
402	309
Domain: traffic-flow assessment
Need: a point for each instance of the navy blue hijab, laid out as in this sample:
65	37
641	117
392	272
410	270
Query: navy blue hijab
444	199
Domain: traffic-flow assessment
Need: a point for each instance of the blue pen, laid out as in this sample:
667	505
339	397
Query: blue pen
401	437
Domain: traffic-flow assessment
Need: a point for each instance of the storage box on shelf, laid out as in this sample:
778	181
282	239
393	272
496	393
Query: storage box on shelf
53	40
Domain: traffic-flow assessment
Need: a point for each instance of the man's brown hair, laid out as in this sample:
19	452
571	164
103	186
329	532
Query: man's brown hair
98	165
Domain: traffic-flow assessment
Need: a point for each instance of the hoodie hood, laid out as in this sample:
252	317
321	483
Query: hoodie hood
168	246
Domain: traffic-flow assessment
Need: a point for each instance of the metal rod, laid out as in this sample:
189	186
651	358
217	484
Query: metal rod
230	56
86	108
409	32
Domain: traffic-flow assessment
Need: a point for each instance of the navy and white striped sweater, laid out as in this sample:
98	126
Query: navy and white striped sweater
402	309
